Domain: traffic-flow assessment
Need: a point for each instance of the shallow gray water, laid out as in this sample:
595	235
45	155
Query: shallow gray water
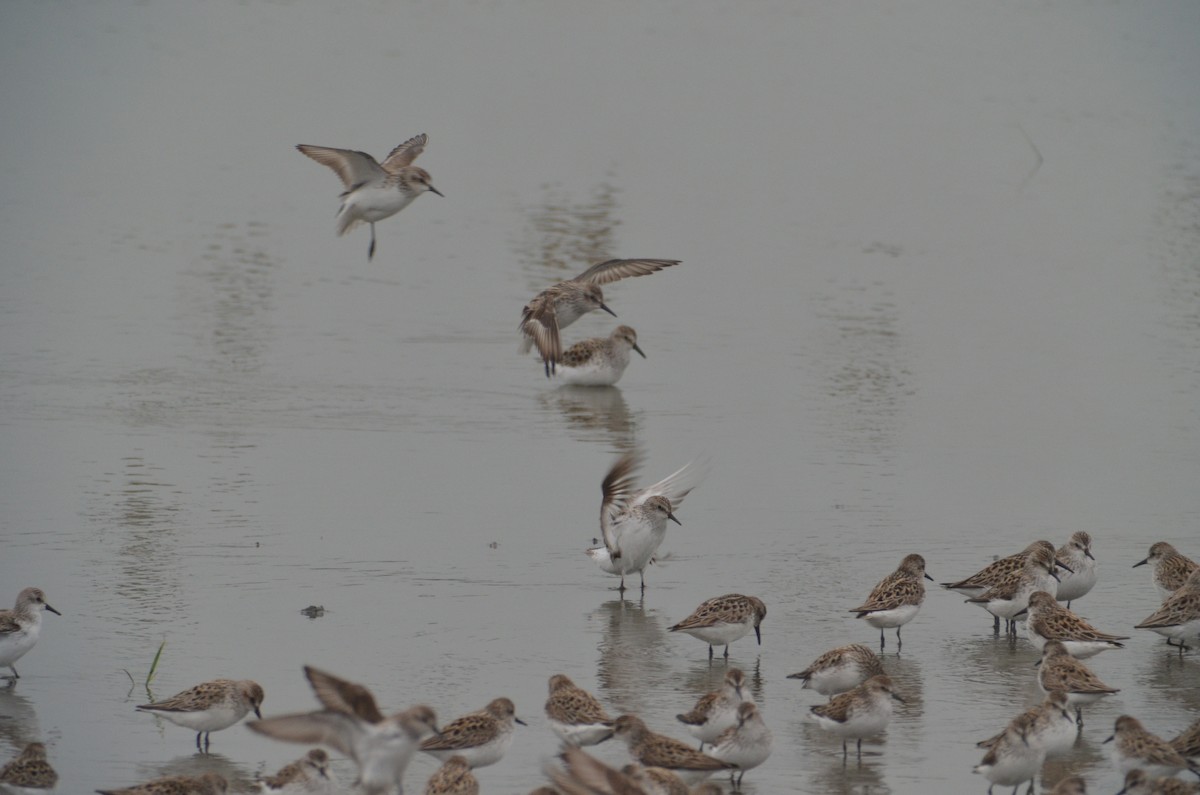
939	294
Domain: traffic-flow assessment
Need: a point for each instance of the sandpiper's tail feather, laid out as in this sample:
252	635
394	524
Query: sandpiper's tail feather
346	221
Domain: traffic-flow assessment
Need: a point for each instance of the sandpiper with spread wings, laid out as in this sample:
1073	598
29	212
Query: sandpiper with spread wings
374	190
634	524
560	305
352	724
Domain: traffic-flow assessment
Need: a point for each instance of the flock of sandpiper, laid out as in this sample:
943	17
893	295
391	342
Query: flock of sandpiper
727	723
1029	586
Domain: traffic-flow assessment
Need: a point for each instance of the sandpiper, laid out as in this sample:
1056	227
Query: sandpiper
575	715
209	706
20	627
716	711
479	737
634	524
352	724
897	598
723	619
1170	570
598	361
28	773
1179	617
1058	670
1076	557
840	669
1135	748
374	191
864	711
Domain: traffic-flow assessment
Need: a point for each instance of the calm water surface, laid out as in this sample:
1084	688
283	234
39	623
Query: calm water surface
940	293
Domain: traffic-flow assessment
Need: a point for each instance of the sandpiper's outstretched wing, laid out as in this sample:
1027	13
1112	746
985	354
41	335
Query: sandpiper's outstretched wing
341	696
337	730
614	269
404	154
676	485
354	168
616	488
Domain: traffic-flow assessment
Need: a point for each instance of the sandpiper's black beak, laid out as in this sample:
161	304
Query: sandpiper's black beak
438	192
1141	563
258	713
606	309
1087	553
898	698
52	610
1110	739
671	516
1024	612
928	578
1123	791
758	634
639	350
1054	574
1058	564
518	720
1036	664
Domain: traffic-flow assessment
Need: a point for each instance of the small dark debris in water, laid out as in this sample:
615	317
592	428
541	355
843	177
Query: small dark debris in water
494	545
314	611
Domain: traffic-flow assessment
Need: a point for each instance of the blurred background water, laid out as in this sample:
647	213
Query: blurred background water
940	293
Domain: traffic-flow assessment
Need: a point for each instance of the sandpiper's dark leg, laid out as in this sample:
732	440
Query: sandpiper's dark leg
643	576
996	624
860	749
899	642
1079	716
881	640
710	651
727	651
198	748
371	250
